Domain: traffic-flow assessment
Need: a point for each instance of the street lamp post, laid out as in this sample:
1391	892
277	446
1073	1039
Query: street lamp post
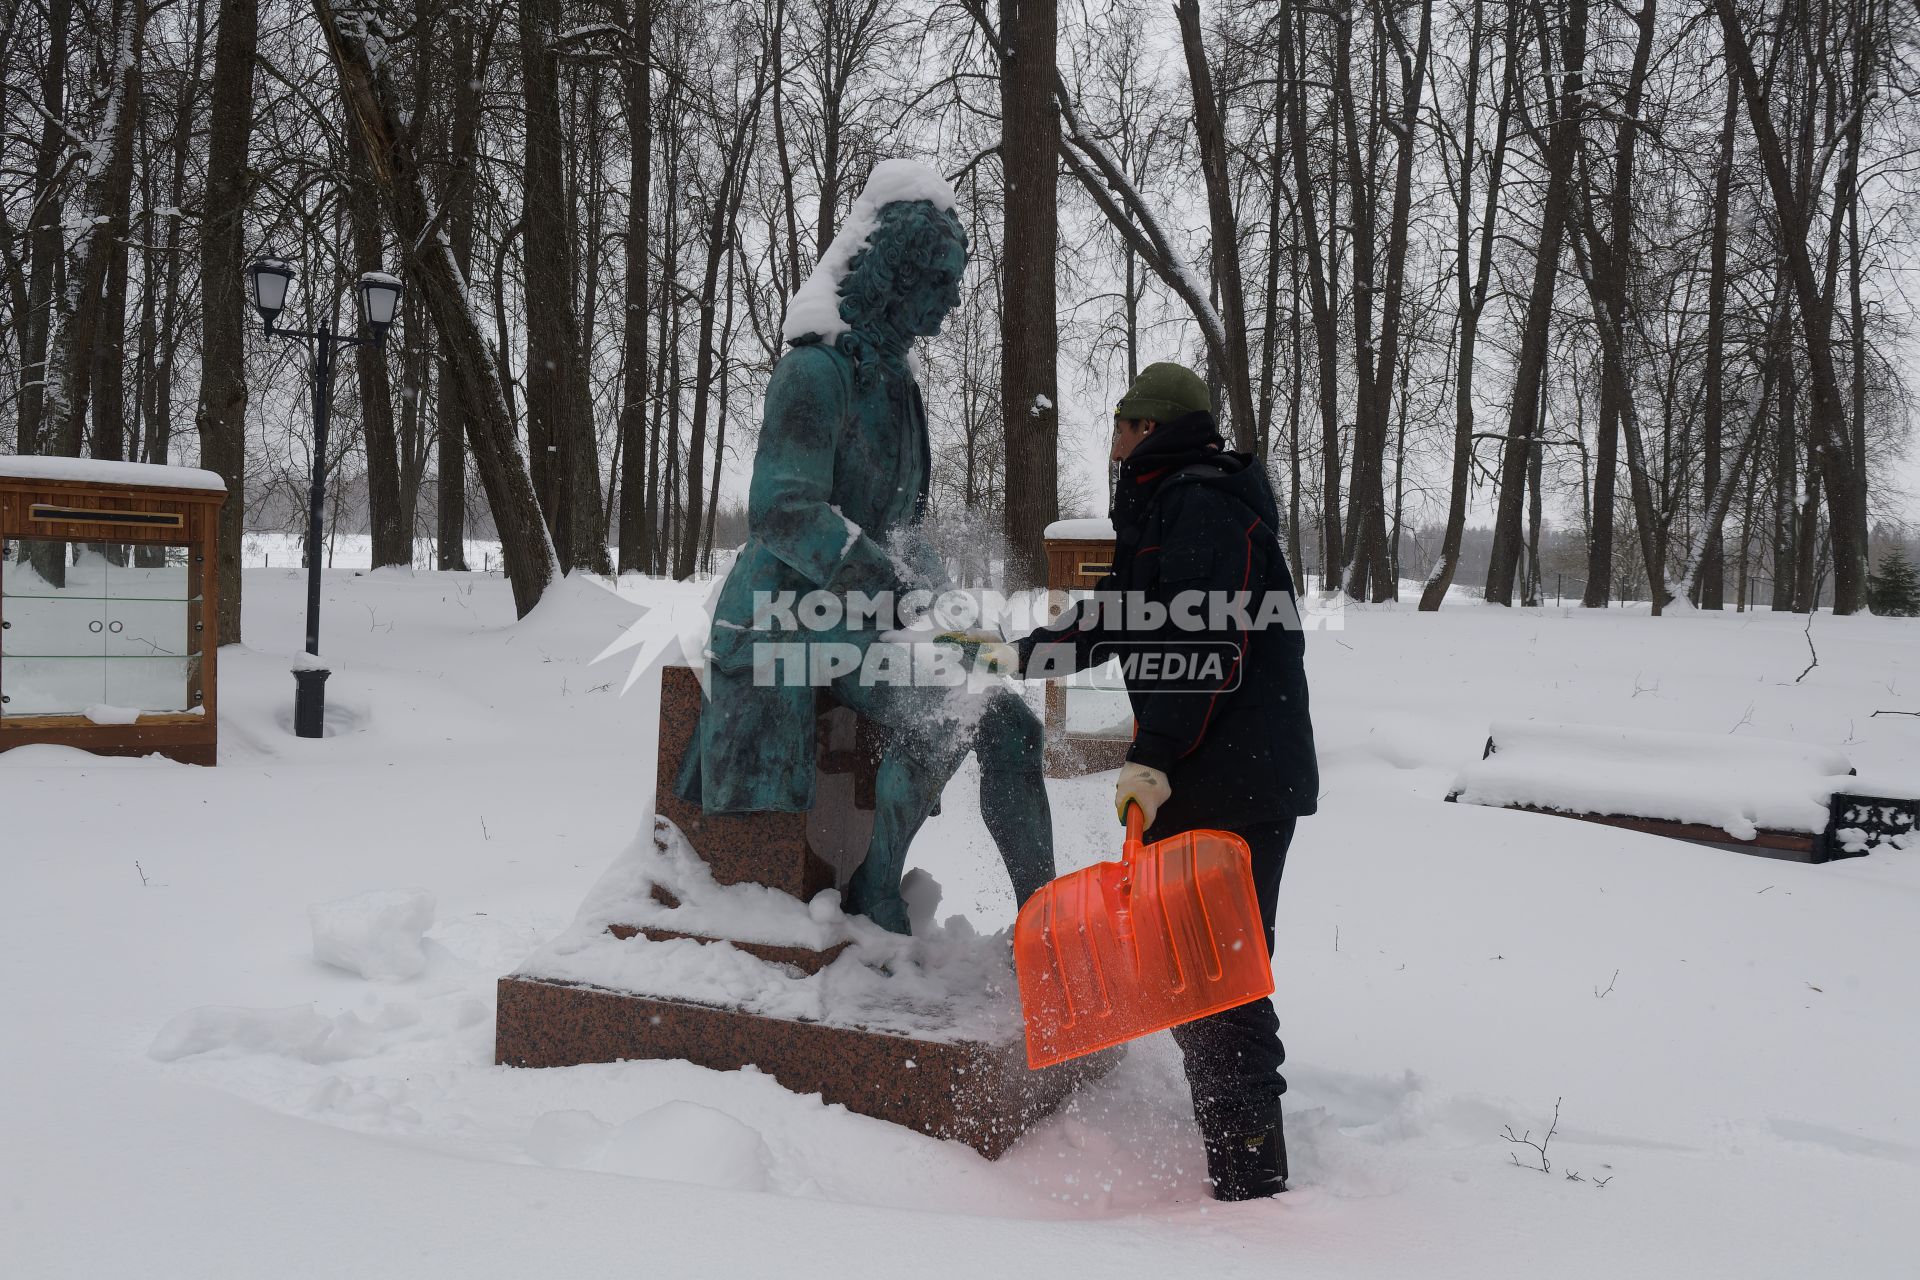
268	281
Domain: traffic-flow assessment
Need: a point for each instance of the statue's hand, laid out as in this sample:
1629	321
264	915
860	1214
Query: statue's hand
986	651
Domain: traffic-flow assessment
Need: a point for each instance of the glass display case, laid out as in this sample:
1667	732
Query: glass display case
87	627
107	592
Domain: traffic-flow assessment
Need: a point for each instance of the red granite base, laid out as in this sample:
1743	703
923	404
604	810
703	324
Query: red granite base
1069	757
805	959
744	848
980	1094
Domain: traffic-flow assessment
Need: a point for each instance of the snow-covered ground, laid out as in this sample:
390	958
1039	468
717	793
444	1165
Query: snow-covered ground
1732	1041
272	549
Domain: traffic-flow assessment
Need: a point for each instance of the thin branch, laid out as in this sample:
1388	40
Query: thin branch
1540	1147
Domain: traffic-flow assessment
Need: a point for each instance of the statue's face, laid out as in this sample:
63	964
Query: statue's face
937	292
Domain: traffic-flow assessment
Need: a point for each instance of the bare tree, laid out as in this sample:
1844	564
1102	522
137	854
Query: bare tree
392	535
1793	205
223	385
723	214
528	553
1564	90
1226	230
634	415
1473	259
1029	334
566	464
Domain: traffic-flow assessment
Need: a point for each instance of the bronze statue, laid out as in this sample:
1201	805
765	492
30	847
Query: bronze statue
836	505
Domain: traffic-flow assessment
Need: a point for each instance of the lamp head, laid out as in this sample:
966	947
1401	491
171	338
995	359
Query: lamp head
268	280
379	301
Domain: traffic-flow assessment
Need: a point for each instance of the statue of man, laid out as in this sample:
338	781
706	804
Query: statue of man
836	505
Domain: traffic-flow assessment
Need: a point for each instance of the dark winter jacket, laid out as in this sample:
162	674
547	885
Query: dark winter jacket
1222	708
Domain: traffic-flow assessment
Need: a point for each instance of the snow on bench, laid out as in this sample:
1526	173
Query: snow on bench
1763	795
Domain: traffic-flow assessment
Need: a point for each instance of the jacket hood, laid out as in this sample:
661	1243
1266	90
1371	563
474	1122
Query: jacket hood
1240	477
1194	439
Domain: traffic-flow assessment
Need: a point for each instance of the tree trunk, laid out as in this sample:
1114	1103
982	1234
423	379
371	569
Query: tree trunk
1530	365
222	415
1691	572
1325	320
1607	262
1866	55
566	455
1785	475
725	378
721	220
1297	391
1395	531
463	126
1606	472
1807	540
97	254
1713	417
1029	330
1363	481
1530	580
1270	309
1830	444
392	540
1117	196
526	550
108	437
634	405
159	436
1374	560
789	206
1471	292
1223	224
666	397
46	241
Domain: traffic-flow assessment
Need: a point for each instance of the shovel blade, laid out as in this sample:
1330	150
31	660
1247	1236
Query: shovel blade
1122	949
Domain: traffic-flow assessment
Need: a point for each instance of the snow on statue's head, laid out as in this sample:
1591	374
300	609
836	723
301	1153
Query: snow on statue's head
893	272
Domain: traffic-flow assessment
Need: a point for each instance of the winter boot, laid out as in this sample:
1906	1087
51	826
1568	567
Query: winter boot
1248	1166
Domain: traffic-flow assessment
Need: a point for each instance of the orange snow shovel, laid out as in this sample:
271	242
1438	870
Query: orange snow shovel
1118	950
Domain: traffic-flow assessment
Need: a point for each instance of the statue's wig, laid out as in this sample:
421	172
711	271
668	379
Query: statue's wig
907	235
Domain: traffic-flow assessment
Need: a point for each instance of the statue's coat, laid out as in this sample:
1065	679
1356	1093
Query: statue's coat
839	481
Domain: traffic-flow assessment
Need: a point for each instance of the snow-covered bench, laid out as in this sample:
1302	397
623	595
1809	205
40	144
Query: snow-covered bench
1758	795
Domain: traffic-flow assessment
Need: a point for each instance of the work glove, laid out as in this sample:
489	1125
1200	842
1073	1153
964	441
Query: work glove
1144	786
985	650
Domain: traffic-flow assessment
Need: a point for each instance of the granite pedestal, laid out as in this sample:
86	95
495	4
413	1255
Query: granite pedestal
622	1003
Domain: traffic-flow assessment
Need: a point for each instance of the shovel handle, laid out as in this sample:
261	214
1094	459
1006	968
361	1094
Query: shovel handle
1136	829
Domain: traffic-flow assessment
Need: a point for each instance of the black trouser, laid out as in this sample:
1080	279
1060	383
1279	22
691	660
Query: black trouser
1233	1058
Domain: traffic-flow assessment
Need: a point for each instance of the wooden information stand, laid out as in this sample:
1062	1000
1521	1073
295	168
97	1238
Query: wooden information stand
1079	554
109	595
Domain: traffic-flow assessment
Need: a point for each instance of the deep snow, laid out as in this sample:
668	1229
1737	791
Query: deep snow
193	1094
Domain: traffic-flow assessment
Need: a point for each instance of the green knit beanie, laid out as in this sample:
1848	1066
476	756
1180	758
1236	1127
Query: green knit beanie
1164	392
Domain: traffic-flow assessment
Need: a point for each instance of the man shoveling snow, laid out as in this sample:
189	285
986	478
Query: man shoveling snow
1223	739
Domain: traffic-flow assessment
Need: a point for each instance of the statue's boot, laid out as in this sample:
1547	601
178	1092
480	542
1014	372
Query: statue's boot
905	791
1011	746
925	753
